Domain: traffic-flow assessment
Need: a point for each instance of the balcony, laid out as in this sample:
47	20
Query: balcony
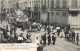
75	8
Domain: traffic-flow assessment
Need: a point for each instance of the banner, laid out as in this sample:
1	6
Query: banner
18	47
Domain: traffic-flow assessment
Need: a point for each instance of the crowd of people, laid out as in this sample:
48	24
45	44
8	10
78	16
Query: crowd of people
61	32
11	36
53	31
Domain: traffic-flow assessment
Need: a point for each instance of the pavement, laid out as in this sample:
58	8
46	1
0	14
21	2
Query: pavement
61	43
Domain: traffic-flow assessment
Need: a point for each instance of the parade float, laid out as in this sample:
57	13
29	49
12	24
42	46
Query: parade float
21	18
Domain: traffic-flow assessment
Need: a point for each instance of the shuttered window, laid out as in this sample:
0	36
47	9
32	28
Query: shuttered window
57	3
64	3
52	3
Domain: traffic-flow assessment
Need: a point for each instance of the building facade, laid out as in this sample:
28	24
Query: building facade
52	11
74	13
58	11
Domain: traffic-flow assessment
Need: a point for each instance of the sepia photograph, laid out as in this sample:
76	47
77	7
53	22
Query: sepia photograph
42	25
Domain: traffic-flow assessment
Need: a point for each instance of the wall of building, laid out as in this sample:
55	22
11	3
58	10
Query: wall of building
74	5
53	9
74	20
60	17
43	16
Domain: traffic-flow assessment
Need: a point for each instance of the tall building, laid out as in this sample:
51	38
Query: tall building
74	13
53	11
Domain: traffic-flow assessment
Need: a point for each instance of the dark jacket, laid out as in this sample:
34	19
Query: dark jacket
49	38
73	34
44	37
53	37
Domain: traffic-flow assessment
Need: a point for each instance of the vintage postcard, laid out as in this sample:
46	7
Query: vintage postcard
39	25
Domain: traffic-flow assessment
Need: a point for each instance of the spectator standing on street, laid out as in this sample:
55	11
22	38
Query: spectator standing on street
28	35
77	38
53	38
73	36
67	37
66	32
70	36
44	39
41	41
58	30
49	39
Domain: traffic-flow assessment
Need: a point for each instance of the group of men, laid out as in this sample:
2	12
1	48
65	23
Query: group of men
48	38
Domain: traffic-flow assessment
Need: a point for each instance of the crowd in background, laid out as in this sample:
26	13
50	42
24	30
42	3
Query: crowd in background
11	36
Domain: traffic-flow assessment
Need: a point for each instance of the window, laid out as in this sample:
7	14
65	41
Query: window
45	2
34	2
64	14
57	3
42	2
48	3
74	3
52	3
64	3
57	13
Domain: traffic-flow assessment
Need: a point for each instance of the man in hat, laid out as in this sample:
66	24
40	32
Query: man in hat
53	38
44	39
77	38
49	39
28	35
73	36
